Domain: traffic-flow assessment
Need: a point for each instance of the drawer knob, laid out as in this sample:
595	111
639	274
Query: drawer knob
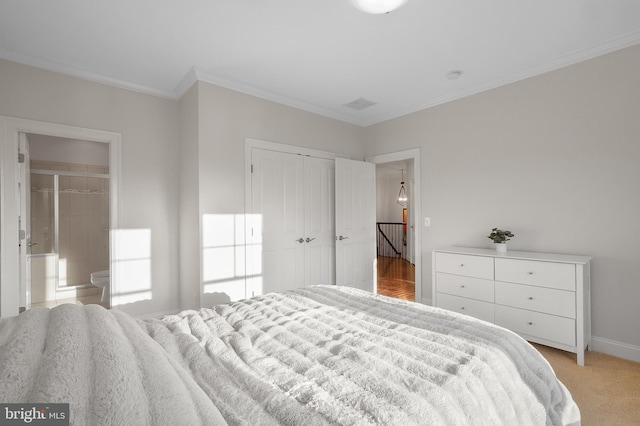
462	286
530	323
530	298
530	273
462	308
462	265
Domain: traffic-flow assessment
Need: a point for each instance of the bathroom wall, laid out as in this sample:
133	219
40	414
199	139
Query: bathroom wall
83	224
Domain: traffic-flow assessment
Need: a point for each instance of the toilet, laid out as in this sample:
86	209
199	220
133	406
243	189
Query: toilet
101	279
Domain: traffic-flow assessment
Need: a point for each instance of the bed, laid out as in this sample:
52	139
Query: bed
313	356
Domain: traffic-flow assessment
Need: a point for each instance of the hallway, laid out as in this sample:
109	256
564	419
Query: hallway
396	278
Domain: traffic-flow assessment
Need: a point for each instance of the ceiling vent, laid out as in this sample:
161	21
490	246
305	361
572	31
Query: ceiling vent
360	104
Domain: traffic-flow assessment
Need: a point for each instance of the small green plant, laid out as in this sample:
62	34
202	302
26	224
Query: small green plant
499	236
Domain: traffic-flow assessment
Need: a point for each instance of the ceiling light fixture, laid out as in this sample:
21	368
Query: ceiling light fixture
402	196
378	7
454	75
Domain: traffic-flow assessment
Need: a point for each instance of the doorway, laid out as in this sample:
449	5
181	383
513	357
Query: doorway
68	239
13	293
399	268
395	230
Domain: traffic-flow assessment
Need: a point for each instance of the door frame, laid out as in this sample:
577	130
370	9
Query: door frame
410	154
10	130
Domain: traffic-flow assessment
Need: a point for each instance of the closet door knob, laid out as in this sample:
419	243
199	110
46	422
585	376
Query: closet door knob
300	240
309	239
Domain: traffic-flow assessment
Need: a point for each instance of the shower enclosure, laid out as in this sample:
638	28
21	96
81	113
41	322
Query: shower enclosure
69	231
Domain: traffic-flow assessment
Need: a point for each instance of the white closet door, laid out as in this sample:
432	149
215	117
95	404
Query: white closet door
277	208
355	223
319	218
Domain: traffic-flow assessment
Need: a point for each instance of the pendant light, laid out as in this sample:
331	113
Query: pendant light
378	7
402	195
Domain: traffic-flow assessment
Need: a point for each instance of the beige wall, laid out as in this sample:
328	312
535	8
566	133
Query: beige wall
227	117
190	226
150	149
555	159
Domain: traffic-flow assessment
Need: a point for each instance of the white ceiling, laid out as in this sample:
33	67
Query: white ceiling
315	54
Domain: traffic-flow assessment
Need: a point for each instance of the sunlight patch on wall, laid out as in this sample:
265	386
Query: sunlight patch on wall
131	266
223	255
62	272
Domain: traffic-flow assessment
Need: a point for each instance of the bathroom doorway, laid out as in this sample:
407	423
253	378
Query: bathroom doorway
15	294
68	203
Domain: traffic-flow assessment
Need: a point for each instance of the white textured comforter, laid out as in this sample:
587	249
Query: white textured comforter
317	355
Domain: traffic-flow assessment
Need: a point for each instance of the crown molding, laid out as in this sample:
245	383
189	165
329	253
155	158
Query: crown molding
196	74
189	79
206	77
572	58
80	73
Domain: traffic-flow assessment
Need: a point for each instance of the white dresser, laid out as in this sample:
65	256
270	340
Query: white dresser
543	297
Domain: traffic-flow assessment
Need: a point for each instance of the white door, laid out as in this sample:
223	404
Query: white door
277	206
319	220
355	224
24	222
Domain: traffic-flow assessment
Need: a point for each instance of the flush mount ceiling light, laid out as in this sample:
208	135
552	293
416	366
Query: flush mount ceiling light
378	7
454	75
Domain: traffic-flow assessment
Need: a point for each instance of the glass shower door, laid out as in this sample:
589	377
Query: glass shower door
70	235
44	257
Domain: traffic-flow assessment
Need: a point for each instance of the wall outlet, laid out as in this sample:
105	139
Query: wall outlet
427	221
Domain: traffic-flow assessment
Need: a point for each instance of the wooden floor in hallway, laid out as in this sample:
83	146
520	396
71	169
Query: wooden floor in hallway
396	278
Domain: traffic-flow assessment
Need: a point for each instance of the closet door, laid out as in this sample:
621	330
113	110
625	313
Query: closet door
319	220
277	198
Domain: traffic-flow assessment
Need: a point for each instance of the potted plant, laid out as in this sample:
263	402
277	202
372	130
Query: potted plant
500	238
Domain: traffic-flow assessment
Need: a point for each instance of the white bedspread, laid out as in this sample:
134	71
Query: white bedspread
317	355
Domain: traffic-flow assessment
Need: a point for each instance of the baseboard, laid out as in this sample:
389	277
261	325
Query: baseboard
618	349
426	301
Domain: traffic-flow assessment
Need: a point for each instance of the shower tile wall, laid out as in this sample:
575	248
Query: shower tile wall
83	224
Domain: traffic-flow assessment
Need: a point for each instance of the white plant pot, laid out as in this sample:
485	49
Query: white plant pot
501	247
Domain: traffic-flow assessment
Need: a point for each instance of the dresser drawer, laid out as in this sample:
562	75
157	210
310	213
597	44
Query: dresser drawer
462	305
541	299
458	285
543	274
462	264
536	324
